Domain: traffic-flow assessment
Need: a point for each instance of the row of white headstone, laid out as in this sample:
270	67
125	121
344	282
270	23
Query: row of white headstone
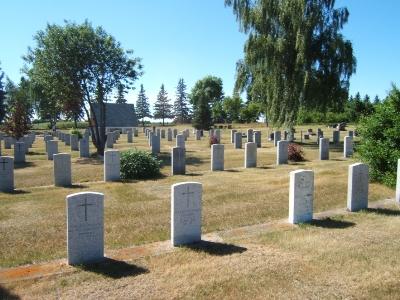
85	212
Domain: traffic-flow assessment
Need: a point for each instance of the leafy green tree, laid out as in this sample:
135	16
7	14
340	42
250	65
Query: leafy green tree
380	139
250	113
295	56
120	99
79	63
232	107
181	108
162	107
204	95
218	113
2	97
142	105
47	107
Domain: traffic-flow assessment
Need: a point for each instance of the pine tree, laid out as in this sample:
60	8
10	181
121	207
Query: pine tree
142	105
2	98
181	109
120	99
162	107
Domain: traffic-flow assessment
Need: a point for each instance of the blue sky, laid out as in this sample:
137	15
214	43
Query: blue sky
192	39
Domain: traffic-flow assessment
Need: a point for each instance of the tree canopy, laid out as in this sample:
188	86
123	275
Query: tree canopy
295	55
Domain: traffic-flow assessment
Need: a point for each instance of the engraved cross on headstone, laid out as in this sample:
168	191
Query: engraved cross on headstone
187	193
3	162
85	205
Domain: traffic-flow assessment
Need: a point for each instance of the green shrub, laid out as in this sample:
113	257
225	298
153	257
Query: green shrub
380	139
136	164
77	132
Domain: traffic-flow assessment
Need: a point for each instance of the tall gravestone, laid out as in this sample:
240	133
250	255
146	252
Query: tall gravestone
62	169
277	137
217	157
74	142
250	137
323	148
282	152
6	174
178	161
357	187
301	196
52	148
250	155
155	145
180	141
348	146
233	131
238	140
151	134
112	165
85	227
67	139
84	148
19	152
257	138
186	213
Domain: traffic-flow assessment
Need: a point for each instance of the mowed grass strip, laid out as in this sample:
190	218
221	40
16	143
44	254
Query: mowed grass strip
33	221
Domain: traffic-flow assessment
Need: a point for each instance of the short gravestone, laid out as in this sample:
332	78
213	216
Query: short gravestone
6	174
62	169
323	148
277	137
357	187
169	135
348	146
250	137
250	155
301	196
257	138
155	145
336	137
217	157
180	141
112	165
233	131
186	213
85	227
74	142
110	140
52	148
19	152
84	148
129	136
178	161
282	152
238	140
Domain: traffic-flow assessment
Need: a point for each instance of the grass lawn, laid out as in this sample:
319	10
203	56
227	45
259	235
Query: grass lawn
33	220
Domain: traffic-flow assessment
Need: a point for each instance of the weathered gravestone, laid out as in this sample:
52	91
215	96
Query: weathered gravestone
175	133
135	132
85	227
282	153
301	196
74	142
336	137
52	148
110	140
180	141
84	147
158	132
19	152
47	138
163	133
323	148
277	137
129	136
112	165
155	145
169	134
67	139
348	146
186	213
151	134
178	161
217	157
6	174
217	134
357	187
62	169
250	155
257	138
238	140
250	137
198	135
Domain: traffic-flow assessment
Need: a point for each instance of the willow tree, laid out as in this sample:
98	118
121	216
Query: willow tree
79	64
295	56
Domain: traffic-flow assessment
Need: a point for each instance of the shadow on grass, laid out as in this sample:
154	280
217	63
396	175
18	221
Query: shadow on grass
383	211
36	153
6	294
89	161
215	248
233	171
23	165
331	223
112	268
16	192
165	158
77	186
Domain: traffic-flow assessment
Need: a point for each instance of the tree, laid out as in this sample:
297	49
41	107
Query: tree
2	97
377	100
232	107
162	107
250	112
17	121
205	93
181	109
47	107
81	64
218	113
142	105
120	99
295	56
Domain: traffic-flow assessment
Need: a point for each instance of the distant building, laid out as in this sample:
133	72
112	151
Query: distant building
118	116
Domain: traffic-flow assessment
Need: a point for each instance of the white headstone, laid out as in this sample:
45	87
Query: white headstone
250	137
282	153
52	148
336	137
357	188
186	213
178	161
233	131
277	137
238	140
217	157
85	227
155	145
129	136
348	146
180	141
257	138
323	148
62	169
301	196
6	174
84	147
74	142
112	165
250	155
110	140
169	134
19	152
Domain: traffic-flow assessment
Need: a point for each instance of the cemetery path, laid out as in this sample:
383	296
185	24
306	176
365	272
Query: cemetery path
57	267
